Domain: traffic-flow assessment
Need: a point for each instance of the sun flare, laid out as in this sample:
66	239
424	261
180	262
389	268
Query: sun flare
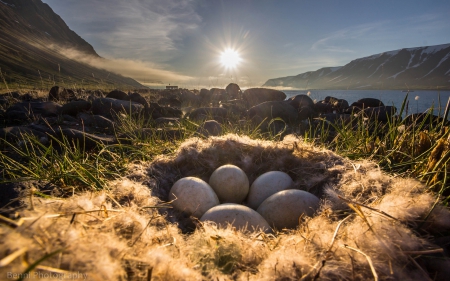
230	58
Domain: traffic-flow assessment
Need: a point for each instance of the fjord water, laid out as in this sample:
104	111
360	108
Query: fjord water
419	101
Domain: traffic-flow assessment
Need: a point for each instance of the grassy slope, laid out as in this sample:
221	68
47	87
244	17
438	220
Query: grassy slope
27	61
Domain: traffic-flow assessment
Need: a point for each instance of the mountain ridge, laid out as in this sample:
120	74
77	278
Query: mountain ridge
32	36
425	67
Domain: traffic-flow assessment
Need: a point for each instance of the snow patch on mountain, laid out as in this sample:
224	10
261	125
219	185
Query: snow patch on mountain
442	60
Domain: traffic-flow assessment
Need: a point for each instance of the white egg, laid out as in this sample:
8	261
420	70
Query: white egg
266	185
239	216
230	184
193	196
284	208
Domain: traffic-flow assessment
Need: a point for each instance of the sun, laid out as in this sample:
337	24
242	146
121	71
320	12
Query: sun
230	58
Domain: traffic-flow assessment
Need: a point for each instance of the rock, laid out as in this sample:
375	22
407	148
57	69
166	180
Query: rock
24	111
205	96
189	98
210	128
381	113
233	91
283	209
274	109
424	118
340	104
275	127
230	184
305	112
218	96
323	107
192	196
156	111
241	217
118	95
170	133
170	121
352	109
75	107
208	112
266	185
336	118
13	134
58	93
136	97
368	102
96	121
109	107
255	96
84	140
300	101
170	102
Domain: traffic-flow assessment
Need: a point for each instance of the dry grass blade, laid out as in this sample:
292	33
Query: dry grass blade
369	260
336	232
102	210
8	259
365	206
425	252
10	222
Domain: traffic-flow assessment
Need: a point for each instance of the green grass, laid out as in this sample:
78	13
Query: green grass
417	151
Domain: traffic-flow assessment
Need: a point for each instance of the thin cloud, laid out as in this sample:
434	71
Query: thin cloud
151	30
332	41
137	70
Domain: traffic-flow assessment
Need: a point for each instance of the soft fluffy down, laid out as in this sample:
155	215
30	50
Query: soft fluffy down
120	234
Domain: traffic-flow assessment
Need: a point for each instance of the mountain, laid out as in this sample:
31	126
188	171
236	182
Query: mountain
32	42
412	68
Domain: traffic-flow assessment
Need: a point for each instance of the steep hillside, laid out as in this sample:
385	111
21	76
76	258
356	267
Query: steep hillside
31	38
413	68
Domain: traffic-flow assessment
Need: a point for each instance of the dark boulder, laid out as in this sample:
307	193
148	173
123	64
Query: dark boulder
381	113
118	95
205	96
299	101
218	96
167	121
170	102
75	107
85	140
189	98
109	107
323	107
25	111
425	119
274	109
336	118
58	93
97	121
155	111
368	102
255	96
210	128
203	113
136	97
306	112
13	134
233	91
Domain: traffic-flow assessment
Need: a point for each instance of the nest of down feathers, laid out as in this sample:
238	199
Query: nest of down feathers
370	226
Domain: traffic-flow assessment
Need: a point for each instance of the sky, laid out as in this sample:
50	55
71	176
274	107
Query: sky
180	42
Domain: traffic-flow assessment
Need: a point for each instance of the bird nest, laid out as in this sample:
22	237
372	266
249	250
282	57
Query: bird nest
370	225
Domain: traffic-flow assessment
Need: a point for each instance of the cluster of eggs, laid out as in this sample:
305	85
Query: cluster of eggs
270	200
